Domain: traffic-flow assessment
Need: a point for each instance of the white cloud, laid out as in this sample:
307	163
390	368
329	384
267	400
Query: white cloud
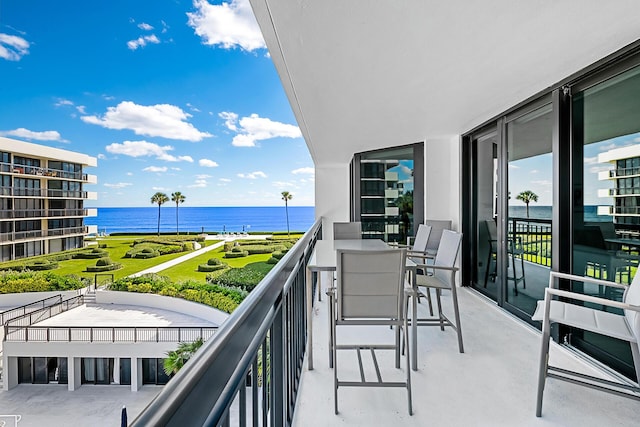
307	170
543	183
129	174
253	175
155	169
101	156
224	180
228	25
158	189
255	128
511	166
163	120
62	102
230	120
118	185
81	109
590	160
146	149
285	184
203	176
142	41
48	135
145	26
199	183
13	48
207	163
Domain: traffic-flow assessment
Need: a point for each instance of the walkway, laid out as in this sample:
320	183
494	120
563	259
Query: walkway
198	252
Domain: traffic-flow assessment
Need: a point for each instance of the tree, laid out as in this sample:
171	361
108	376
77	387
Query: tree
160	199
527	197
286	196
177	197
177	358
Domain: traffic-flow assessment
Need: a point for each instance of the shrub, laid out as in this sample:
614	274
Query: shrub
236	254
104	261
93	253
215	261
42	265
272	260
32	281
246	278
142	288
208	268
102	245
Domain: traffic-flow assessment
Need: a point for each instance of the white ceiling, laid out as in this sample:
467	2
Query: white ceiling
365	74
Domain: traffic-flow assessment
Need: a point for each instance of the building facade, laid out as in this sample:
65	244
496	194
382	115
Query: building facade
42	199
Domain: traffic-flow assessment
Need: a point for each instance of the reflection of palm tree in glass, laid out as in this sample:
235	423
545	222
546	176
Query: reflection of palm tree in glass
405	208
527	197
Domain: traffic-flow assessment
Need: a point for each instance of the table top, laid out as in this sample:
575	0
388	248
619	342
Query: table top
324	258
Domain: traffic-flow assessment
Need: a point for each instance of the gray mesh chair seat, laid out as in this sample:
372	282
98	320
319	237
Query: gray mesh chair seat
370	290
572	311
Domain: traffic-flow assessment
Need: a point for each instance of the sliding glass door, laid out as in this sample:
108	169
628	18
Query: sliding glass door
387	187
606	187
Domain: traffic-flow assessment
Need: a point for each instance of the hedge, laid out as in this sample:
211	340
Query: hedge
246	278
220	297
233	254
42	265
99	268
93	253
36	281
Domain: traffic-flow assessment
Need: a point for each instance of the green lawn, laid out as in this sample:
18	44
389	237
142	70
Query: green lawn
188	270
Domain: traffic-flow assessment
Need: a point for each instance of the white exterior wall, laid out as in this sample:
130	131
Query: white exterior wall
442	179
332	196
178	305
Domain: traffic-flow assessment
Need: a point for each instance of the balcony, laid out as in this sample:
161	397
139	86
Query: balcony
493	383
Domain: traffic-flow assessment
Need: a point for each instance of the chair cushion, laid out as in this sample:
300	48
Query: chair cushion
597	321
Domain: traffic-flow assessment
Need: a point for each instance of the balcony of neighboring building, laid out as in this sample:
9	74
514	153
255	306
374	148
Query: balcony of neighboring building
21	236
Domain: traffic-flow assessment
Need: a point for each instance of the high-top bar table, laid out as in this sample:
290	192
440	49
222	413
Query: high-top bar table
324	258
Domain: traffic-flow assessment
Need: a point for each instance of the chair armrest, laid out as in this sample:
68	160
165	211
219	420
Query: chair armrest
583	279
398	245
437	267
420	254
550	292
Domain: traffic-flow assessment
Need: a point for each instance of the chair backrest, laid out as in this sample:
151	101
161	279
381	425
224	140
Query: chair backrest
447	254
437	226
370	284
347	230
422	237
632	296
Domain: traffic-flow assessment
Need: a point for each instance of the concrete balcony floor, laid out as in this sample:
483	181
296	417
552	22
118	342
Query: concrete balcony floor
492	384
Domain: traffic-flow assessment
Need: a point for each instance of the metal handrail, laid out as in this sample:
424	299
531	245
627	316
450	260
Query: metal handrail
10	314
264	339
28	319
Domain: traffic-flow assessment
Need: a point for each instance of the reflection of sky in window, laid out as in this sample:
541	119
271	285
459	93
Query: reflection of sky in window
536	173
405	174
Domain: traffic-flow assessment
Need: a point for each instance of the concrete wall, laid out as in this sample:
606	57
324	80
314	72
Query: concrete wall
178	305
332	196
17	300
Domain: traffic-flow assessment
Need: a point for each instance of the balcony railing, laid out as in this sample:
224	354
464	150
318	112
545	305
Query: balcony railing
41	213
533	237
624	172
263	341
37	234
42	192
40	171
97	334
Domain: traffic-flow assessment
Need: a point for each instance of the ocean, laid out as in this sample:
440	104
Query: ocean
197	219
544	212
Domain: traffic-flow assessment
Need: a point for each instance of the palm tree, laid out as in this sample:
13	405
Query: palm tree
178	357
527	197
160	199
177	197
286	196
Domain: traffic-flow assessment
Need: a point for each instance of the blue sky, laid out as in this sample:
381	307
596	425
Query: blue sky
176	95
